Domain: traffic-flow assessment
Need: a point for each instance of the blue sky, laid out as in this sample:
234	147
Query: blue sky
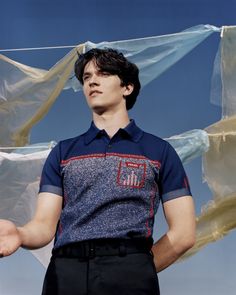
175	102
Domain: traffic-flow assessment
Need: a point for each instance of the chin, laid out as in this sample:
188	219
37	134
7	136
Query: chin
99	109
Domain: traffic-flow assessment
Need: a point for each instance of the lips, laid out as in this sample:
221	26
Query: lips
94	92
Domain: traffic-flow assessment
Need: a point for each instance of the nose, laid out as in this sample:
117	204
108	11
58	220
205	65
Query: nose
94	80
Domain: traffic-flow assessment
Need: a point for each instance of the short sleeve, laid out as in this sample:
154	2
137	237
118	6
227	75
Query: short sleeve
51	180
173	182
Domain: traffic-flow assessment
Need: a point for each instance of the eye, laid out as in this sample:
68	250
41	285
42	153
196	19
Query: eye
105	74
85	77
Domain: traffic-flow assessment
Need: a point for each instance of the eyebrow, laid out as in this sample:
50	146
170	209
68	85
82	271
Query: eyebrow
98	71
86	73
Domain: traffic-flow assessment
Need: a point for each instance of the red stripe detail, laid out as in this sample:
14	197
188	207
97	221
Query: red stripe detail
63	162
118	174
59	228
151	211
141	184
127	156
156	163
186	182
149	232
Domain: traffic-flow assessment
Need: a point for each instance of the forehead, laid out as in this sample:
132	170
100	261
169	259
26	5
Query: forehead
91	66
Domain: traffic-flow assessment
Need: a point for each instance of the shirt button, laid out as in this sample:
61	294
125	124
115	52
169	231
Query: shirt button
109	146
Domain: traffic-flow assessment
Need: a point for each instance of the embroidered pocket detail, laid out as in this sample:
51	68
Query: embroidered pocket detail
131	174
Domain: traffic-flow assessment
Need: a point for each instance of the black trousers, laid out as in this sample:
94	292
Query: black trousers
132	274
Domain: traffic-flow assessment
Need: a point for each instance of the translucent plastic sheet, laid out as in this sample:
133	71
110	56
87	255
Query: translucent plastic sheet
19	178
219	163
216	82
190	144
27	93
154	55
218	217
223	90
228	68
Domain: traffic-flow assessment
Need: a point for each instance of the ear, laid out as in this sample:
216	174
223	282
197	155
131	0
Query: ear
128	89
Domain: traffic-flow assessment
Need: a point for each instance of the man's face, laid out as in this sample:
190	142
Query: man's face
102	90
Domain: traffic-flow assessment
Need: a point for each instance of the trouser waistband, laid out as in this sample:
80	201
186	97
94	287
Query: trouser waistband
104	247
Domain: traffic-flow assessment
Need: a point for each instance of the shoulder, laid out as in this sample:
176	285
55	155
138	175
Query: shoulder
65	143
66	147
151	138
154	144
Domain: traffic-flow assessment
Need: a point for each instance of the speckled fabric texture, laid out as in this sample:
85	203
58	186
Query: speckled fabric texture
112	187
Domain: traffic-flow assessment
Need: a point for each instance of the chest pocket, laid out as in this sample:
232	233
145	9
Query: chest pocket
131	174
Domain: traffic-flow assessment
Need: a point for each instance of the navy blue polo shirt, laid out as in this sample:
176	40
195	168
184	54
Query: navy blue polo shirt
111	188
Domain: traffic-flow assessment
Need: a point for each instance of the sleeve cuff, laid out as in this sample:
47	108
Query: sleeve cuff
176	194
47	188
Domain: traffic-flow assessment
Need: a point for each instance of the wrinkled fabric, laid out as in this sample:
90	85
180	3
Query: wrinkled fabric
20	173
219	165
190	144
154	55
27	93
224	73
228	68
19	178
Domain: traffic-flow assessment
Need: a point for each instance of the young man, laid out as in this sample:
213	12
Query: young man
99	193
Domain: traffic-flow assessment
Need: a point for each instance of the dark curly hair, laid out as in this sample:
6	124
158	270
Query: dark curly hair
111	61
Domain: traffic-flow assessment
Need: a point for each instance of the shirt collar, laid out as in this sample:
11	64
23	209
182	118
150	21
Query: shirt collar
132	130
91	133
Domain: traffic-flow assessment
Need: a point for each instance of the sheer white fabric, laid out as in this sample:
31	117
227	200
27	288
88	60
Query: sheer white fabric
228	71
224	73
19	178
26	93
154	55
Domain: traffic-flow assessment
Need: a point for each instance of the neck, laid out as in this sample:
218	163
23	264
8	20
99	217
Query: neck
111	123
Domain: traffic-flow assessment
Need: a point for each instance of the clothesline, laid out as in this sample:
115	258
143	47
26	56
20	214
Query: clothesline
37	48
209	27
23	147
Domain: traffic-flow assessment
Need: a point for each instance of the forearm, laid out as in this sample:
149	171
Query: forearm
180	236
41	229
169	248
35	234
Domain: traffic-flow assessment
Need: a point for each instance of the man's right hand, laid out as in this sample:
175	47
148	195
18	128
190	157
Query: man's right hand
10	239
36	233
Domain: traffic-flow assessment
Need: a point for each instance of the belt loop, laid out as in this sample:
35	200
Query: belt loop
122	249
85	249
91	249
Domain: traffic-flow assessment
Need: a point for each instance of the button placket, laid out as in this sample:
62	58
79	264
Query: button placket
108	148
